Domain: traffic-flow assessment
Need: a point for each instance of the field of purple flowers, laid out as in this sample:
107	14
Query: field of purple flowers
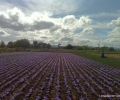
56	76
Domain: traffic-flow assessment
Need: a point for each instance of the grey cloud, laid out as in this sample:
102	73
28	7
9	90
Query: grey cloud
66	39
13	22
54	42
85	42
9	38
2	32
43	37
65	31
55	28
39	25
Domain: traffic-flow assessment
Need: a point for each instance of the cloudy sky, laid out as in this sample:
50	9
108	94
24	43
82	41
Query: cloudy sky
77	22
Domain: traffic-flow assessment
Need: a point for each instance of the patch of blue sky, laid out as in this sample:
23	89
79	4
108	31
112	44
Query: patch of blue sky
103	19
103	6
102	31
101	34
99	6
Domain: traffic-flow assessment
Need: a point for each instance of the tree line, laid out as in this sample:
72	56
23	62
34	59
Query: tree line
25	43
86	47
43	45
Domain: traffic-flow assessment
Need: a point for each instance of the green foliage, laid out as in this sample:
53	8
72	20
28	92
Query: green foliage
44	45
69	46
18	49
79	47
104	48
85	47
24	43
91	54
6	50
111	49
10	44
37	44
48	46
2	44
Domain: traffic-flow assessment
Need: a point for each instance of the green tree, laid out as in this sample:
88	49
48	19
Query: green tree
40	45
104	48
85	47
2	44
69	46
10	44
35	44
44	45
22	43
48	46
79	47
111	49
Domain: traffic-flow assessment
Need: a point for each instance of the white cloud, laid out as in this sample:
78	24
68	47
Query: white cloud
87	31
43	26
114	35
85	20
16	20
115	23
69	20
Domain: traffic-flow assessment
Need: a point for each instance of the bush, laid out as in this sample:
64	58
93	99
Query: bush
69	46
19	49
111	49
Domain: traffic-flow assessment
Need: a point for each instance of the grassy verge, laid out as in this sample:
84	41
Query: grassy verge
115	62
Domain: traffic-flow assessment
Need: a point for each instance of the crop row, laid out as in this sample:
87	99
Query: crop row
56	76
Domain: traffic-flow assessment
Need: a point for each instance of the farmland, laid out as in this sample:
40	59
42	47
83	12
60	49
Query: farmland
56	76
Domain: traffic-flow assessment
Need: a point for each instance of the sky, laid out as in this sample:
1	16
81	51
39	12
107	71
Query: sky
77	22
